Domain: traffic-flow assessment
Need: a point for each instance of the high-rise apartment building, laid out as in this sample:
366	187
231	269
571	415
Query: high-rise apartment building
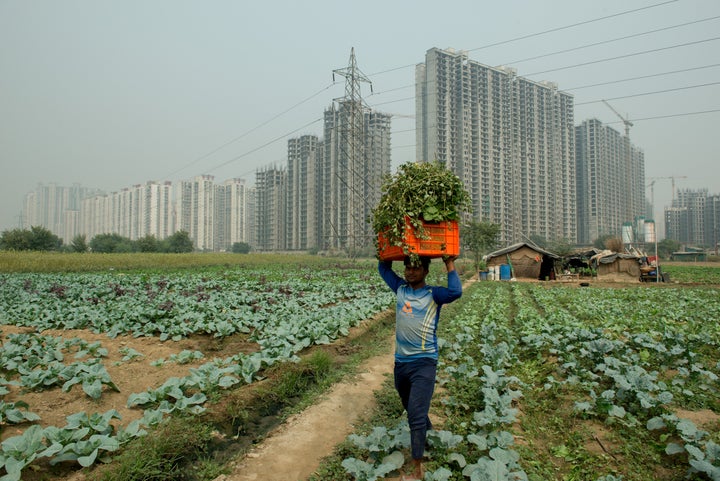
214	216
685	221
676	224
304	180
712	222
133	212
356	157
509	139
252	216
95	216
231	214
610	181
196	211
56	208
270	204
156	210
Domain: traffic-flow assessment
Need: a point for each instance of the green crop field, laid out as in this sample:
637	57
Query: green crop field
552	382
537	380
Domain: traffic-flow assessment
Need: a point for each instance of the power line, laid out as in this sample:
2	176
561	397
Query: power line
235	139
650	93
523	37
544	32
557	29
238	157
394	101
625	56
402	131
643	77
599	84
595	44
684	114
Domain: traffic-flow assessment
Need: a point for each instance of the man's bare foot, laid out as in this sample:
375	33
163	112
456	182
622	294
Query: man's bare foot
417	472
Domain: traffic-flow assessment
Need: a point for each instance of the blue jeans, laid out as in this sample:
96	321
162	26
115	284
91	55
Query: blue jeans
415	382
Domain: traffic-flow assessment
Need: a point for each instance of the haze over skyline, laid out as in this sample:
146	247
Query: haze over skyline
113	94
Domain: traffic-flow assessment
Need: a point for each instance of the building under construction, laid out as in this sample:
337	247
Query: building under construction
610	181
510	140
331	184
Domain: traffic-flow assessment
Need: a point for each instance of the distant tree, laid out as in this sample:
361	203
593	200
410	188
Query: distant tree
125	246
479	238
614	244
15	240
37	238
41	239
79	244
601	242
179	242
108	243
561	247
149	243
666	247
240	248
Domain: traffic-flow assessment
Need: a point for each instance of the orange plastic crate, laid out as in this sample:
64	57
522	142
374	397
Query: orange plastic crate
443	238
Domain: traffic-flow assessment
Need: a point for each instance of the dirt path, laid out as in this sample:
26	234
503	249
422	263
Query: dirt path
293	451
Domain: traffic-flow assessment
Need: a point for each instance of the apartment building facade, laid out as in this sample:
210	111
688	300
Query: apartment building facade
133	212
712	222
355	158
509	139
304	183
231	214
270	205
610	181
56	208
196	210
688	219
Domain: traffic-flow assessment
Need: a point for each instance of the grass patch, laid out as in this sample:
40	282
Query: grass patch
162	455
200	448
13	261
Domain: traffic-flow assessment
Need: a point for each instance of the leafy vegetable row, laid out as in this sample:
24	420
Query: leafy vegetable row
620	356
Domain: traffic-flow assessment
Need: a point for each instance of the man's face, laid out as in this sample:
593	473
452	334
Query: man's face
415	274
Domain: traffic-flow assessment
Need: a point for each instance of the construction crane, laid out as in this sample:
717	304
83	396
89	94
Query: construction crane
652	186
630	208
625	121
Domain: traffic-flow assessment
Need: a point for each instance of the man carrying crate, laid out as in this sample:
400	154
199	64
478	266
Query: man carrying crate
416	352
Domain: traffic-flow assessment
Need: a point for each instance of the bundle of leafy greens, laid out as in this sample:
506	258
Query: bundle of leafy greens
417	192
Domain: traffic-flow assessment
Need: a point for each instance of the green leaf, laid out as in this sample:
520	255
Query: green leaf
674	448
88	460
93	388
394	460
458	458
478	440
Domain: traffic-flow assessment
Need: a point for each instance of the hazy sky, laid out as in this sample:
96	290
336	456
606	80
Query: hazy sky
110	94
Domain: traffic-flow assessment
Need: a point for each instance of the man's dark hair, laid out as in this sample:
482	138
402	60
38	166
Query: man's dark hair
422	261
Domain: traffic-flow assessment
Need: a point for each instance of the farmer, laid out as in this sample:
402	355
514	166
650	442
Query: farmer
416	352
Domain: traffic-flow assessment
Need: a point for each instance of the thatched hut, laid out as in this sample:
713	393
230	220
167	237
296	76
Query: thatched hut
526	261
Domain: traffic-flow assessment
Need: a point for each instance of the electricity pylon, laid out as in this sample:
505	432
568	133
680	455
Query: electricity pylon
352	155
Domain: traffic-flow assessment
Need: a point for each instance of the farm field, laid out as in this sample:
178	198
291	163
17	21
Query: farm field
557	382
538	380
93	360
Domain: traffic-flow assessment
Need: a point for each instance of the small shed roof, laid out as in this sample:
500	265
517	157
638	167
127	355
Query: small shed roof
608	257
520	245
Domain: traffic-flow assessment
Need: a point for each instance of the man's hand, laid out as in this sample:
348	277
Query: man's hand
449	262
